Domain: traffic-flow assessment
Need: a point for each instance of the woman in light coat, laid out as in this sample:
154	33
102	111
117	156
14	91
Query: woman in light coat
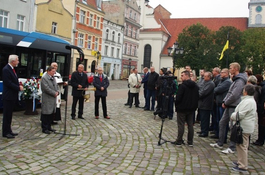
247	115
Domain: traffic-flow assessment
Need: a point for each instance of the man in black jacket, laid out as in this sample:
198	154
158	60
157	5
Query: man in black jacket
186	104
78	80
151	91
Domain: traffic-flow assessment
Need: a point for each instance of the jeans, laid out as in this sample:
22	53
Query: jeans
219	113
151	93
205	121
223	127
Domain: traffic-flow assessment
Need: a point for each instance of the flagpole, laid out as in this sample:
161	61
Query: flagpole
228	51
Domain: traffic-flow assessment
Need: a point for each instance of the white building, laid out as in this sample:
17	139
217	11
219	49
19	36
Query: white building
19	18
111	53
256	13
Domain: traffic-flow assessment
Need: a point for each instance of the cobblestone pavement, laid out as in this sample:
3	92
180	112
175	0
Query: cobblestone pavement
125	144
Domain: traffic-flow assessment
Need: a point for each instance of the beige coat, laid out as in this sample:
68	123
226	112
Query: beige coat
133	83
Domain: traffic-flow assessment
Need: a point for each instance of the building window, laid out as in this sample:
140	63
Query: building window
54	27
106	50
107	34
126	30
129	30
135	51
91	20
20	22
112	51
125	48
89	42
80	39
98	20
134	16
84	1
130	13
130	50
258	19
113	35
136	33
119	38
132	31
82	16
96	43
3	18
118	53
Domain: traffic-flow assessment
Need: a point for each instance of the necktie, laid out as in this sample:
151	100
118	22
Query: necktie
14	71
100	78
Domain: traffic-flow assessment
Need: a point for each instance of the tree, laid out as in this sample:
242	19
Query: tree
254	49
234	52
197	41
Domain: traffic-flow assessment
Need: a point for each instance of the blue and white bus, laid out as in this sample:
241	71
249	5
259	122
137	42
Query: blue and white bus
36	51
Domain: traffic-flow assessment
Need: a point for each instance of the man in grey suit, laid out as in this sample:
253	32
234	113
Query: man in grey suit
50	92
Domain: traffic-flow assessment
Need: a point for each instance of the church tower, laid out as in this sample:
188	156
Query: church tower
256	13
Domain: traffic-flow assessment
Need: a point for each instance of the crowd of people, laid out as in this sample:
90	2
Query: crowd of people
215	97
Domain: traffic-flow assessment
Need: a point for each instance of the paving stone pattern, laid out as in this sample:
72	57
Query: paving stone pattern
125	144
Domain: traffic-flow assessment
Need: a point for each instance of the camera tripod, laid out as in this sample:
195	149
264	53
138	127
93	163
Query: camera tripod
163	113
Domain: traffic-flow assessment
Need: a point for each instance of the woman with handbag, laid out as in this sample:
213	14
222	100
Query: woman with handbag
247	114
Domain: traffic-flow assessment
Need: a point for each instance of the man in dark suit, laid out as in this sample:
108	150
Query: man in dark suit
50	92
10	95
144	81
78	80
101	83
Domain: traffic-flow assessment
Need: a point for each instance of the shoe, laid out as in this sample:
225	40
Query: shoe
235	163
14	134
214	137
46	132
54	123
257	143
203	135
215	145
145	109
130	106
126	104
96	117
9	136
199	132
236	168
178	143
190	145
138	106
81	117
73	118
227	151
107	117
170	118
52	130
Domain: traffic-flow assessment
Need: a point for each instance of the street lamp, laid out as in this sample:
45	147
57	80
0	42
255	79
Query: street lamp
130	60
176	51
98	55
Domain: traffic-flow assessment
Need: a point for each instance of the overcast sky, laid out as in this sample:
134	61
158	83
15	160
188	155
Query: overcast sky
204	8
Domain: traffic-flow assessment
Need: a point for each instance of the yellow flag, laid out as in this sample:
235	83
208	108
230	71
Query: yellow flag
224	49
93	53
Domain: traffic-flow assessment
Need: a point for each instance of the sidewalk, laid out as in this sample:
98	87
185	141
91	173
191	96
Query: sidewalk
125	144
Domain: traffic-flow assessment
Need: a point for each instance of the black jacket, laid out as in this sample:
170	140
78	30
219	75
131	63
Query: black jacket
77	79
187	97
98	84
206	95
151	83
221	90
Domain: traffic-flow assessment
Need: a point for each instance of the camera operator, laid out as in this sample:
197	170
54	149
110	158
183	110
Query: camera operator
186	103
135	82
168	91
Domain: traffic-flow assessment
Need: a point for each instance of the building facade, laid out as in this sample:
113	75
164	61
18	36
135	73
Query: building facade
256	13
21	18
126	13
112	49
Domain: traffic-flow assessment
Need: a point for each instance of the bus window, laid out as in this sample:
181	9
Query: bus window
36	64
60	60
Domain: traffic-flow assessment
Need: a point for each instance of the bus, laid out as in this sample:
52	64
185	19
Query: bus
36	51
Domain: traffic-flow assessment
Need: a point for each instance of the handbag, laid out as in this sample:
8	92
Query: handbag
237	131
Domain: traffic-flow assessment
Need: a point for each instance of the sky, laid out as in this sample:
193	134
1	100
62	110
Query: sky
204	8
